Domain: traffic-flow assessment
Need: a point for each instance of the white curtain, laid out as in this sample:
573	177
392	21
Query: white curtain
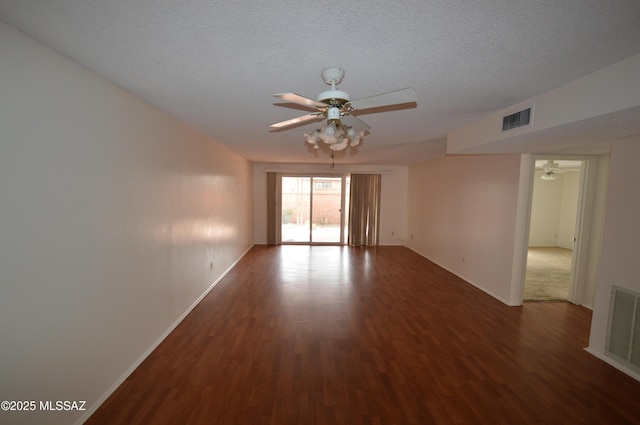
364	209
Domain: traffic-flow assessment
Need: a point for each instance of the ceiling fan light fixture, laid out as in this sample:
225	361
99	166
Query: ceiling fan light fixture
352	133
355	136
337	137
548	175
339	146
313	138
329	133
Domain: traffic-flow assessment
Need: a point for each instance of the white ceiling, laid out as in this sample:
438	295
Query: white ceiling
215	64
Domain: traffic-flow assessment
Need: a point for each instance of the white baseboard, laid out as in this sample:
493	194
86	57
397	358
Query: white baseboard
470	282
635	375
94	406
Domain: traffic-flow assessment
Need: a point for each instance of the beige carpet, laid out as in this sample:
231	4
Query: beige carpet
548	274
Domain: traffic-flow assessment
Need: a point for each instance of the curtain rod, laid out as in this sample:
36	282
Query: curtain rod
320	171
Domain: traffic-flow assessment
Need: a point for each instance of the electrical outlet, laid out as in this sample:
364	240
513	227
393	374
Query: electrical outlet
210	266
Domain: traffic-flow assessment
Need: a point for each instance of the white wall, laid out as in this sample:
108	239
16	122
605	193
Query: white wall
553	210
618	263
393	217
596	218
115	219
462	215
546	201
568	209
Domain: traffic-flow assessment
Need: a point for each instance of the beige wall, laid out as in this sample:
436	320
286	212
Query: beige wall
618	263
115	219
462	215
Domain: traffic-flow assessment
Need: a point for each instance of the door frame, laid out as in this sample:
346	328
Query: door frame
584	240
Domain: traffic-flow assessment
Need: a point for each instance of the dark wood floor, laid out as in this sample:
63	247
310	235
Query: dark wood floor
378	336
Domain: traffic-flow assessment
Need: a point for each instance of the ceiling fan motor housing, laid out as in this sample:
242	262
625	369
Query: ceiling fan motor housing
334	97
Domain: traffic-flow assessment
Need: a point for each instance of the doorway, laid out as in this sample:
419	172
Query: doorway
552	230
588	229
314	209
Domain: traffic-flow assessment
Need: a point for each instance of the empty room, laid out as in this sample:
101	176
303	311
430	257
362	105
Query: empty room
319	212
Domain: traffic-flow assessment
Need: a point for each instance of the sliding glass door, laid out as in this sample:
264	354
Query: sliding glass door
313	209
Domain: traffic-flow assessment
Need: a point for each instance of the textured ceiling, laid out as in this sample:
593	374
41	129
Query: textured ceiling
215	64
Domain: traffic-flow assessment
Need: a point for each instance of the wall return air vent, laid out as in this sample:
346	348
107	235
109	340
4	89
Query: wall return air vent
518	119
623	339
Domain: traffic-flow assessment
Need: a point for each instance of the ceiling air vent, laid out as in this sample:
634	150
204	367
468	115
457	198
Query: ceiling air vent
519	119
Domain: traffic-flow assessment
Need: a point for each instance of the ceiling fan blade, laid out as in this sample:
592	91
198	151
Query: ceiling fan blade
300	100
351	121
309	117
407	95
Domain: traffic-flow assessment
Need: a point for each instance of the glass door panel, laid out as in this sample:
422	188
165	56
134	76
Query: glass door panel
326	217
296	210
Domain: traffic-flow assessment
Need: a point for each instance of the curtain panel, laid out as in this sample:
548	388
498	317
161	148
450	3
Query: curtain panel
272	209
364	209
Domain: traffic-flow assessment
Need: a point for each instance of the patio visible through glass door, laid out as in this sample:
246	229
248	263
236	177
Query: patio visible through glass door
312	209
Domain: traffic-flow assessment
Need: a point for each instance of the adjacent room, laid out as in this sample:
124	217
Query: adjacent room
552	231
319	213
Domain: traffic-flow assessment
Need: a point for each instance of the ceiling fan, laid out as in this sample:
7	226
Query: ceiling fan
551	168
342	128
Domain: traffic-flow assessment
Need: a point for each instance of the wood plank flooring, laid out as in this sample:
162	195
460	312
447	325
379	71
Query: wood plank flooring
376	336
